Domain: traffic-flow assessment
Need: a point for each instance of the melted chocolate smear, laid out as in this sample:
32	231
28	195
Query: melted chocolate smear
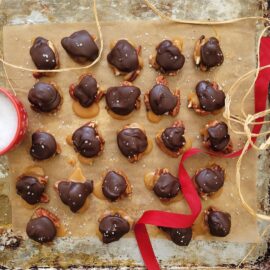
167	186
122	99
210	99
131	142
124	57
161	99
169	57
112	228
219	223
180	236
44	97
86	142
30	189
210	180
43	145
86	91
81	46
42	55
74	194
218	136
41	229
113	186
173	138
211	54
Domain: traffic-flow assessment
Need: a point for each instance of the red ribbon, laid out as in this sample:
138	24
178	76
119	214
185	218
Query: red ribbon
173	220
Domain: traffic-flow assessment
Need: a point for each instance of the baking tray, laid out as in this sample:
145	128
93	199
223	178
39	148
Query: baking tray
15	252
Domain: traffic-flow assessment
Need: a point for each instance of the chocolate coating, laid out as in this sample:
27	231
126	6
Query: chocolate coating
74	194
112	228
86	91
44	97
219	223
113	186
30	189
180	236
167	186
210	179
43	145
161	99
211	54
210	99
218	136
169	57
131	142
86	141
173	138
124	56
80	46
42	54
122	99
41	229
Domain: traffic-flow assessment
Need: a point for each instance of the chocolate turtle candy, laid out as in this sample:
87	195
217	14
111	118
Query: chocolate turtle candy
218	136
124	57
161	99
86	141
167	186
86	91
210	179
43	54
113	227
173	138
114	185
74	194
30	189
132	142
211	53
169	57
122	99
219	223
80	46
210	98
44	97
41	229
43	146
180	236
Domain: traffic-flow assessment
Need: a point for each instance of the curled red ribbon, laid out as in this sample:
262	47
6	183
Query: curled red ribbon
173	220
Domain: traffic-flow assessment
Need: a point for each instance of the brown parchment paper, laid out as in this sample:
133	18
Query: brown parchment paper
238	44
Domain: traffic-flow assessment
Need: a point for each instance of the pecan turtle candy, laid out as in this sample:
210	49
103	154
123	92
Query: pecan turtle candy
45	97
132	142
122	100
216	137
209	180
207	53
125	59
172	140
218	222
44	55
87	141
113	225
81	46
163	183
44	145
168	58
209	98
74	194
160	100
180	236
31	186
43	226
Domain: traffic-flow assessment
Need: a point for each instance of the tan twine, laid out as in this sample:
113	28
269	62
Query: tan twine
244	122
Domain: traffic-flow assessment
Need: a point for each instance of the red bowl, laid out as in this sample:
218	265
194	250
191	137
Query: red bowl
22	121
